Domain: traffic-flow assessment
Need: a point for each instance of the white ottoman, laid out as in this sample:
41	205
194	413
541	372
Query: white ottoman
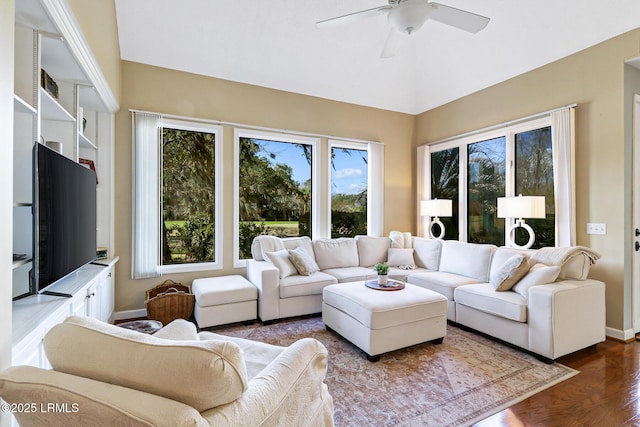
224	299
381	321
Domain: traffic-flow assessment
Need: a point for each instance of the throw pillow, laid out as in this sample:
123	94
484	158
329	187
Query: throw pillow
280	259
400	257
302	261
510	273
539	274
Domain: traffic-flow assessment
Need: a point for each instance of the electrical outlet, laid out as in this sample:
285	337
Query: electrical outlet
596	228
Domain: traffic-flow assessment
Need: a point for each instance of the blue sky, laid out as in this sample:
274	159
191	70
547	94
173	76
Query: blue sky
348	177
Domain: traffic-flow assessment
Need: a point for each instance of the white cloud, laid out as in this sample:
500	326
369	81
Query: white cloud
347	173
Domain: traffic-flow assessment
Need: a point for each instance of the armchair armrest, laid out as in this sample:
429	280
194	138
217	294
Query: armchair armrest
82	400
266	278
289	391
566	316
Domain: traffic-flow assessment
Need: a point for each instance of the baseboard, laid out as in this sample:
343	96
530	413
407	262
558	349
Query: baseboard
129	314
626	335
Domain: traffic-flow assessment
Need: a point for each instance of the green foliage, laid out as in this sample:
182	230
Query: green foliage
381	268
348	224
248	231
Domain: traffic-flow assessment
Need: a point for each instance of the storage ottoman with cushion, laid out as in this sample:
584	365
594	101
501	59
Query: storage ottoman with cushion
381	321
224	299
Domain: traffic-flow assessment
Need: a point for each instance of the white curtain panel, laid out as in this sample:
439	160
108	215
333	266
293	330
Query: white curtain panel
376	189
146	195
563	141
424	187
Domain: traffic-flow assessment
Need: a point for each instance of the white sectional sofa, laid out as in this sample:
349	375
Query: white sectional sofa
553	310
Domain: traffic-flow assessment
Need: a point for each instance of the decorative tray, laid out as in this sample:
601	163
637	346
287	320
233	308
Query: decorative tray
392	285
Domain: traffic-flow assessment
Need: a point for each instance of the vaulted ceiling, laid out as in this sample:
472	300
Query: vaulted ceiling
276	44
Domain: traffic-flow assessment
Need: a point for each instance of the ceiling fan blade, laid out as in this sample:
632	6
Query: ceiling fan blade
351	17
392	44
458	18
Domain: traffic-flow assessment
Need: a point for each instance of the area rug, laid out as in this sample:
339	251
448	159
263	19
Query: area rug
461	381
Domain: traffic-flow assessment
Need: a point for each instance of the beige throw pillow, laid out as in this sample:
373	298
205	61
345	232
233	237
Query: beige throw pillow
302	261
202	374
280	259
400	257
510	273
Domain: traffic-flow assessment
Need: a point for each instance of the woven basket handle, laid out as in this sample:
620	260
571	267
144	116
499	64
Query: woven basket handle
171	291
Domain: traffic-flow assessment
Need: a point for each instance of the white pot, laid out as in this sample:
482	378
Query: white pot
383	279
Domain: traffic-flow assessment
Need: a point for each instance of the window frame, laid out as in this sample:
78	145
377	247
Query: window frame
463	142
217	263
315	179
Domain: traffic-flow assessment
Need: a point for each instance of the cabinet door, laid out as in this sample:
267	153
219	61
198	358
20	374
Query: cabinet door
107	290
92	305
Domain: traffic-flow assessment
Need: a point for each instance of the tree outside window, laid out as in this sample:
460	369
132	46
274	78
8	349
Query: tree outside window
349	183
445	170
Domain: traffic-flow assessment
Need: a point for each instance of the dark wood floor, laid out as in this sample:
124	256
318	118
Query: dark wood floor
605	393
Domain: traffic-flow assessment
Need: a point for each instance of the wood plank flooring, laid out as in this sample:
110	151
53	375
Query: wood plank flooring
605	393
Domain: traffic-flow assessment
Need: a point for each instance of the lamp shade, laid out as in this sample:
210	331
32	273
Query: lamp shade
521	207
436	207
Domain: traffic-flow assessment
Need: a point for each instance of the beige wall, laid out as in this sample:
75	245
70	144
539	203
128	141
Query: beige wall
594	79
97	19
178	93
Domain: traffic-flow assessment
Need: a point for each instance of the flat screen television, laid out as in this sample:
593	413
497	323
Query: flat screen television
64	217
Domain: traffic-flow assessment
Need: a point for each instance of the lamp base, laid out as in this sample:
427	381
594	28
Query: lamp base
532	236
436	220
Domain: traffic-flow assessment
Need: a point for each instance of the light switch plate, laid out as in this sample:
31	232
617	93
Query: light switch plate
596	228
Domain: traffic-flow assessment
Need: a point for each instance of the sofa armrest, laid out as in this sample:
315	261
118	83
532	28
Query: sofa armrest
289	391
178	330
566	316
60	399
266	278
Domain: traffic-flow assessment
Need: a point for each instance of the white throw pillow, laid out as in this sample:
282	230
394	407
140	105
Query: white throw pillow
427	252
400	257
302	261
539	274
280	259
510	273
372	250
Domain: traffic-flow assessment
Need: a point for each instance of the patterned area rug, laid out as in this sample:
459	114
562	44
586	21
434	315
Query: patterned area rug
461	381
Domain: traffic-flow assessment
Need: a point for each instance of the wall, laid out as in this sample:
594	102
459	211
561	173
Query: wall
6	177
173	92
102	35
594	79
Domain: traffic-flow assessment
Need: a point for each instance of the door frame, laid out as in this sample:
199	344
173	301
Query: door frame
635	265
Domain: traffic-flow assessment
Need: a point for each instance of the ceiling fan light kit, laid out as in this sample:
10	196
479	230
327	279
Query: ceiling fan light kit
407	16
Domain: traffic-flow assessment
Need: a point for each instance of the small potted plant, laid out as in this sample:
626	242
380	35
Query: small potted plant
382	268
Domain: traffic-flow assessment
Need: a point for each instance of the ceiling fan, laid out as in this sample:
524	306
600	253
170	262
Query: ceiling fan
407	16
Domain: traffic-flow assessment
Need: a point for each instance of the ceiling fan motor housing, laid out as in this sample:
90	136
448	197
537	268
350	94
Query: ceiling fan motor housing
408	16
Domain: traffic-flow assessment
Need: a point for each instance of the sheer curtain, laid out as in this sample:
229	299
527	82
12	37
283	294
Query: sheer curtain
563	143
423	187
146	195
375	217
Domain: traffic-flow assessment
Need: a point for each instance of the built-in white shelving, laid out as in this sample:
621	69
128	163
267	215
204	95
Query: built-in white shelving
22	106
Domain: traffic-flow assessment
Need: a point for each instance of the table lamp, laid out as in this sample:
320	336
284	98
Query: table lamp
521	207
436	208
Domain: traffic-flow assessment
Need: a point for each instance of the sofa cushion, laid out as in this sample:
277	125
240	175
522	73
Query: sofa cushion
483	297
467	259
510	273
336	253
199	374
351	274
444	283
400	257
303	261
296	286
539	274
280	260
372	250
427	252
400	274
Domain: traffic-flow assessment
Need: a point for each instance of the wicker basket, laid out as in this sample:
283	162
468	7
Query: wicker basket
170	301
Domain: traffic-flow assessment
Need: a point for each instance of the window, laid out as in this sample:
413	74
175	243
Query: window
275	187
176	201
485	183
508	160
293	185
349	187
445	168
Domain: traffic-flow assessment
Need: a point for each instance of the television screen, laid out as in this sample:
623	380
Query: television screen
64	216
